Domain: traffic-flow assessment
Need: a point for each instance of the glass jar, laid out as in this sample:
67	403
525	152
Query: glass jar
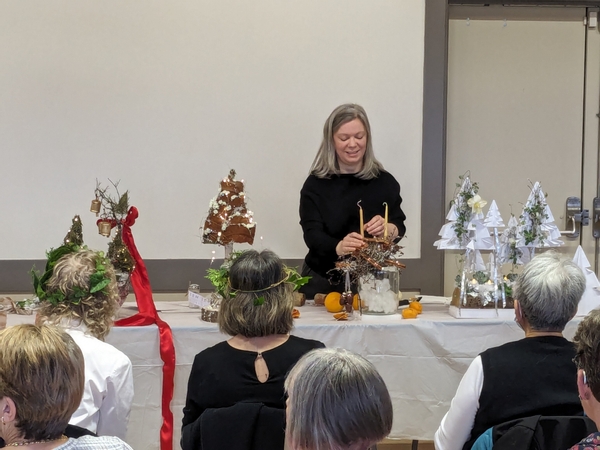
379	291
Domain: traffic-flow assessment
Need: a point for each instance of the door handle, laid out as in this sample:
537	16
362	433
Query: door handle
576	217
596	223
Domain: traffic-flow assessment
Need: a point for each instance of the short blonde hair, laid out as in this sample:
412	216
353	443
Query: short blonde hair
42	371
258	302
337	400
326	163
97	310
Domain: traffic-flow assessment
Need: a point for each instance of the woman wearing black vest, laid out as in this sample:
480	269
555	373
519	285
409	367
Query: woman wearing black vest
532	376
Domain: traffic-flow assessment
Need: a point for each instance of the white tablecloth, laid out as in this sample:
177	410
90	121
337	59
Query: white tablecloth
422	360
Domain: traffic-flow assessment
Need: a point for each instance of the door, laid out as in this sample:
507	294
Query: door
522	103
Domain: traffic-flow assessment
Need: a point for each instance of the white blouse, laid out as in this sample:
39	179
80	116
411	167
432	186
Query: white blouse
108	392
457	424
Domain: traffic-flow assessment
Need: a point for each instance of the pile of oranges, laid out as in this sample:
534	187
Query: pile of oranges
332	302
414	309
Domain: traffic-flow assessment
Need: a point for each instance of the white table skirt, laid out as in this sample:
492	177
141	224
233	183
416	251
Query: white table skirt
422	360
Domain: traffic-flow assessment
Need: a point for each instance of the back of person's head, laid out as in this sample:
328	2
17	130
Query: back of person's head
259	301
587	350
42	372
549	290
337	401
325	163
83	288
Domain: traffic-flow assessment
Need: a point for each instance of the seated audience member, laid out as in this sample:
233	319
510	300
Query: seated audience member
587	358
337	401
531	376
41	383
81	297
252	365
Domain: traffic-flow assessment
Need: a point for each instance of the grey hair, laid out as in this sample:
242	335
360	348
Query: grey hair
326	163
549	290
240	311
337	399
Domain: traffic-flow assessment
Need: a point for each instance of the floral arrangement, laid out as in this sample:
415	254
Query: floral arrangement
467	204
511	239
534	216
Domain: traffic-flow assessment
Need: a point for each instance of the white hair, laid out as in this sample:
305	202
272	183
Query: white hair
337	400
549	290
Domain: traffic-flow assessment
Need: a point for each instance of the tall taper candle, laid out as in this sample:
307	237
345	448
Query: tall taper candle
362	222
385	221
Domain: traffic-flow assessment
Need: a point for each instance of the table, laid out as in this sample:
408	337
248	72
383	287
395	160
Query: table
421	360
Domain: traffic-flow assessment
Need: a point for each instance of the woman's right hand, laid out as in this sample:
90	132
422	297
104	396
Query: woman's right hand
350	243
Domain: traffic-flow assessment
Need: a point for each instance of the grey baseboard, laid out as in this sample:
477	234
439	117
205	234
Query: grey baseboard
174	275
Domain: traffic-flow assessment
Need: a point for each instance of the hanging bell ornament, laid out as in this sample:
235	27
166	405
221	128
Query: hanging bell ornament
95	208
104	228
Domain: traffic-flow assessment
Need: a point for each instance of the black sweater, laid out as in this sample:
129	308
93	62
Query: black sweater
222	376
328	212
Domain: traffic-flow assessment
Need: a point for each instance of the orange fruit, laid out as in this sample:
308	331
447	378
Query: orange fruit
332	302
416	306
355	302
409	313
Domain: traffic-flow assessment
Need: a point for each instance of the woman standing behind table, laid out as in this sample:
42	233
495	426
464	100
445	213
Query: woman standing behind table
252	365
343	173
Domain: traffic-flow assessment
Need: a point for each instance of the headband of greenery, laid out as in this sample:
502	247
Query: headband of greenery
220	279
99	280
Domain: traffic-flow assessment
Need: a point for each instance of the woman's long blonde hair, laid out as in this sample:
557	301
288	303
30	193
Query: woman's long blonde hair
96	310
326	163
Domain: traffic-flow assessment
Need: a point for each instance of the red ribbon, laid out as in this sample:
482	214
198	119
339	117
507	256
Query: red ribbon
148	315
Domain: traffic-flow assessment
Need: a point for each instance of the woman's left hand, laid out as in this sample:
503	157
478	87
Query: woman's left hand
375	226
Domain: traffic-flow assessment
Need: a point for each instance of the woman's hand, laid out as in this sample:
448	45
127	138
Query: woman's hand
375	226
350	243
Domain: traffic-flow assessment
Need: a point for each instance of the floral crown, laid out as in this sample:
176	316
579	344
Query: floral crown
291	276
99	280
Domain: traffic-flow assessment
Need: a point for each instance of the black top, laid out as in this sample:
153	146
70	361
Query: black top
329	212
222	376
524	378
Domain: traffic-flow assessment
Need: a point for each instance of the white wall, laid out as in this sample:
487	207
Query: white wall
168	96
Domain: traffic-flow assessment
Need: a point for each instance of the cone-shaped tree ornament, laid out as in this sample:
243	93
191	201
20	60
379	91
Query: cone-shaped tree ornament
75	233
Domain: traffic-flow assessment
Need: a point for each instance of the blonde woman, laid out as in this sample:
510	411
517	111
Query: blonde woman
81	297
41	382
344	172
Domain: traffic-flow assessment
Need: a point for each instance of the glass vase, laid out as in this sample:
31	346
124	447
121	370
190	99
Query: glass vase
379	291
